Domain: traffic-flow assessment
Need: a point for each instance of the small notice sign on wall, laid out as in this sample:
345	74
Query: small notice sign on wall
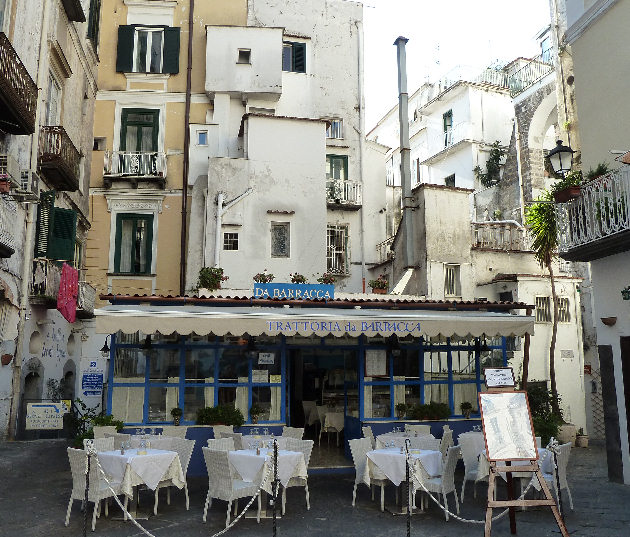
45	415
266	358
499	377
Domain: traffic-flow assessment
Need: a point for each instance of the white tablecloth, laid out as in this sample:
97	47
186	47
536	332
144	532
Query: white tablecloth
545	461
392	463
397	438
335	420
263	440
252	468
133	469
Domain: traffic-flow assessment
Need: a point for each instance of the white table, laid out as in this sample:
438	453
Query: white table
397	438
253	468
262	439
392	463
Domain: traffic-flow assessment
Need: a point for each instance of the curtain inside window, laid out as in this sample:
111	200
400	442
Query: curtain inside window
156	52
242	397
141	51
126	244
367	399
274	411
172	396
208	392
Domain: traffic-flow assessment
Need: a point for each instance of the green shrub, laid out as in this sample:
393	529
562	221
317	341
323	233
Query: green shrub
430	411
224	415
546	423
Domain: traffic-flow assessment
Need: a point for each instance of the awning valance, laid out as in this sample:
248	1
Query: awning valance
256	321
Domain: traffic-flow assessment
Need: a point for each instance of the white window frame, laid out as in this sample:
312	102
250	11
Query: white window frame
53	83
147	60
335	130
452	280
543	309
199	133
333	252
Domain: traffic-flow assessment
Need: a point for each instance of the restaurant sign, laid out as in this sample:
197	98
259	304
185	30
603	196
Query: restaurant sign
339	328
45	415
294	291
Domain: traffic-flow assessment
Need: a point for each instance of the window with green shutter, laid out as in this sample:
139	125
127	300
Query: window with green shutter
294	57
94	22
134	243
56	230
139	130
147	49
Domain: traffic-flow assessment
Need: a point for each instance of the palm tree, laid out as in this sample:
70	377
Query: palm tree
541	221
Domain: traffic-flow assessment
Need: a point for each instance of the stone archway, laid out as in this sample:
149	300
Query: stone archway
69	380
32	392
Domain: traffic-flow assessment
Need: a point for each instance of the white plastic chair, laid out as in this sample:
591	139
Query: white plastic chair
447	442
100	430
443	484
178	431
420	429
221	444
310	412
564	451
184	449
359	448
222	429
118	438
306	448
222	484
367	433
237	437
98	490
101	444
425	442
470	453
293	432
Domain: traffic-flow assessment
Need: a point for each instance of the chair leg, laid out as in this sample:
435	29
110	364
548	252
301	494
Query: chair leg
463	487
570	499
187	499
205	507
456	501
106	507
259	508
354	498
284	499
95	514
155	503
125	507
168	495
71	500
383	497
308	503
372	487
227	520
445	505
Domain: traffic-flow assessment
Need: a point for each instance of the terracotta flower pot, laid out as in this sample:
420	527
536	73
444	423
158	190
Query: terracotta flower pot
581	440
569	193
378	291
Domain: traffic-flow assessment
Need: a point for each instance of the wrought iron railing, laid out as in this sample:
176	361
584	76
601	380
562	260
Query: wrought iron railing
601	211
45	280
530	73
8	219
86	298
502	235
56	145
17	88
383	250
135	163
343	192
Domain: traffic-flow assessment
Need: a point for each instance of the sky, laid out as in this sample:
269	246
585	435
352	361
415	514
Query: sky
442	35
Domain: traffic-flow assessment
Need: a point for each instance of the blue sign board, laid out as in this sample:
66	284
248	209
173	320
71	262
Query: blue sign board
294	291
92	384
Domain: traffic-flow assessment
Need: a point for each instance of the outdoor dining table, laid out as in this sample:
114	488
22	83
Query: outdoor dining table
132	468
397	439
392	463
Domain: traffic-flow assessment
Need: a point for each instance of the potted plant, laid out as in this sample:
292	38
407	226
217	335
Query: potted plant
210	278
264	277
599	170
327	278
581	438
255	412
568	187
220	415
380	285
5	186
466	408
177	415
298	278
401	409
625	292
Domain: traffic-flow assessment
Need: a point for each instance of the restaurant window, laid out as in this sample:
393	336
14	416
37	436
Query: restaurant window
337	258
564	314
294	57
230	241
543	309
134	243
447	122
280	239
334	128
452	285
147	49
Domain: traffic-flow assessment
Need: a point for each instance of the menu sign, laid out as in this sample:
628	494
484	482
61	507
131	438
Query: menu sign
499	377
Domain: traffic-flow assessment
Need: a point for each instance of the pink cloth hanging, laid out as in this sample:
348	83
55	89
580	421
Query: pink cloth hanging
68	293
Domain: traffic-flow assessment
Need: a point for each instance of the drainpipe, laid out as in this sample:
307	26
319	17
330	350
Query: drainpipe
359	26
184	226
409	257
221	210
519	168
31	215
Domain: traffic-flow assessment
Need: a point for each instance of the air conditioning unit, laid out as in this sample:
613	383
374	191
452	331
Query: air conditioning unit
9	170
29	186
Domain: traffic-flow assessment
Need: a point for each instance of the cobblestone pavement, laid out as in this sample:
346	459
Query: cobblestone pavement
36	484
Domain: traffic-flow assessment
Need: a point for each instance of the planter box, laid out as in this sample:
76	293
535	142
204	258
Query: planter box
562	196
379	291
581	440
567	433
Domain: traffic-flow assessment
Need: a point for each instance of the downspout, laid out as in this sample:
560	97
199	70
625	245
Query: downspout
31	216
519	168
359	26
217	231
186	164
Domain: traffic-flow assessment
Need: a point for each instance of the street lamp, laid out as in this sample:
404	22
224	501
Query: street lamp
561	158
105	348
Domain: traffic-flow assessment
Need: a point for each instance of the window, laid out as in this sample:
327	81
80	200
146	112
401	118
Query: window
294	57
230	241
139	130
147	49
545	49
244	55
134	242
280	239
337	249
99	144
94	22
336	167
543	309
202	137
452	285
564	314
53	103
450	180
447	120
56	230
335	128
415	172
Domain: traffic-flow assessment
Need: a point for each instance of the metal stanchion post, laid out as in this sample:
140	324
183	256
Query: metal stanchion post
87	489
407	443
275	483
555	465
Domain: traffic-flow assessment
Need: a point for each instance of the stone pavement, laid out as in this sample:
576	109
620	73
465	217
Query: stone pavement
35	486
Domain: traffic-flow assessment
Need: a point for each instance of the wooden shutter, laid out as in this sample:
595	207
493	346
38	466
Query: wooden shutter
45	212
62	235
94	22
171	51
299	57
124	54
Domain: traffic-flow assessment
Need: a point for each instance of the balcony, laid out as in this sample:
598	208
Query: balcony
597	224
529	73
74	10
18	92
8	224
85	300
506	236
383	250
343	194
134	166
59	158
44	287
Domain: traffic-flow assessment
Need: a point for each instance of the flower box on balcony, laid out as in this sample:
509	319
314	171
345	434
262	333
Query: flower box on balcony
567	194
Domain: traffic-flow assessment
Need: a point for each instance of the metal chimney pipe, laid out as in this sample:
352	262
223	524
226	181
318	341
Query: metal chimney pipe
409	257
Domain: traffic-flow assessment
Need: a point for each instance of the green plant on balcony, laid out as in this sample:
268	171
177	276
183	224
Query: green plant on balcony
625	292
264	277
210	278
601	169
380	283
298	278
492	175
327	278
568	187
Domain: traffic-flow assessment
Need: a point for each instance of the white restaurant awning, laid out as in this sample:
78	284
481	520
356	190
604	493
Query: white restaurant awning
255	321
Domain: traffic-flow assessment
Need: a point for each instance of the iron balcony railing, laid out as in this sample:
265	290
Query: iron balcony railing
59	158
383	250
134	164
343	192
500	235
530	73
601	212
45	280
8	220
18	92
86	299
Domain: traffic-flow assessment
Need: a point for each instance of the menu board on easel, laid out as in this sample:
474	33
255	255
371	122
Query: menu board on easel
507	426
